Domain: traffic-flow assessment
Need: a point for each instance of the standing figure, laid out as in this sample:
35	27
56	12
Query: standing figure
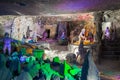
28	32
71	36
62	35
34	37
7	43
45	35
89	69
107	33
81	52
23	39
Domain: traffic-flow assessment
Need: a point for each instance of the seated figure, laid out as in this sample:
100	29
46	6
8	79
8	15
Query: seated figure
90	37
82	34
80	38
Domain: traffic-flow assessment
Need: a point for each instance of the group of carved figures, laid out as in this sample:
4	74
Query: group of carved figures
86	33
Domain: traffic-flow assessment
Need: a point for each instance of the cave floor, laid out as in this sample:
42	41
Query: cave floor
109	68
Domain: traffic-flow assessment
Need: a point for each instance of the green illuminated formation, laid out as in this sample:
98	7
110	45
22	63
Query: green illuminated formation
67	75
48	71
69	72
5	73
38	53
14	64
33	64
56	59
23	51
67	67
31	58
75	70
23	76
34	70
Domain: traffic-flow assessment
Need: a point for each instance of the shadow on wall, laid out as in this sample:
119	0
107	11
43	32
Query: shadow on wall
1	30
118	32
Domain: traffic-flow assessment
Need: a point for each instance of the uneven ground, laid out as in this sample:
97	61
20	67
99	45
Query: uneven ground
109	68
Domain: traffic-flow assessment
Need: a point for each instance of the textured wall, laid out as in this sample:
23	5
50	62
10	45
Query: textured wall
17	26
5	24
114	17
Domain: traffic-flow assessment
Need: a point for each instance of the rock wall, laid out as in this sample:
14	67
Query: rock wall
17	26
52	29
112	16
20	27
5	24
